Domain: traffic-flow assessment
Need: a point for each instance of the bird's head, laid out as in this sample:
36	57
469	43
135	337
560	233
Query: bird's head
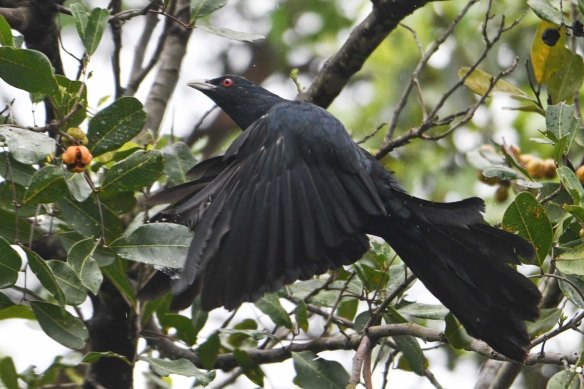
244	101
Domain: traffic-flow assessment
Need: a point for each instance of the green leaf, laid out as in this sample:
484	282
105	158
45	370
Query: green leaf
546	11
548	319
15	171
348	308
115	125
528	218
80	16
501	172
116	273
250	368
424	311
565	379
26	146
200	8
68	282
231	34
29	70
16	312
96	24
73	359
479	82
14	229
301	313
561	121
270	305
8	373
78	186
198	317
412	352
85	266
85	218
244	334
547	60
140	169
573	290
182	325
209	350
47	186
45	275
71	93
571	184
60	324
567	81
571	260
5	301
6	38
313	372
456	334
10	263
160	244
181	366
178	160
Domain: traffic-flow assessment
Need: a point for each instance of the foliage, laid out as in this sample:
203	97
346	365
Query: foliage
99	218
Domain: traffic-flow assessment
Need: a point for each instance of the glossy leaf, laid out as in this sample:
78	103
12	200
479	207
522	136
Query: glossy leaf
81	260
5	301
546	11
231	34
270	305
412	352
182	325
96	24
571	260
45	275
71	95
250	368
479	82
200	8
78	186
562	123
8	373
115	125
29	70
548	319
47	186
565	379
178	160
86	218
10	264
160	244
27	146
181	366
60	324
139	170
209	350
313	372
68	282
528	218
571	183
15	171
6	38
565	83
547	60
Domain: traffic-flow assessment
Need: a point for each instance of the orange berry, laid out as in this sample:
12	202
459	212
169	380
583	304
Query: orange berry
549	167
580	174
77	158
535	167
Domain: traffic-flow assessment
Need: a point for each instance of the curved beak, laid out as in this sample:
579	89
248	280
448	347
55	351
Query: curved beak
201	85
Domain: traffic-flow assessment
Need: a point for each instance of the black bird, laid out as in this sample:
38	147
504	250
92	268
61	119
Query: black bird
294	196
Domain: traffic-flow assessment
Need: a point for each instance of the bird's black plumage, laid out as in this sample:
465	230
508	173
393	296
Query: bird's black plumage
294	196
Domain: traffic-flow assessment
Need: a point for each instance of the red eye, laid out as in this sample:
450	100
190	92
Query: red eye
227	83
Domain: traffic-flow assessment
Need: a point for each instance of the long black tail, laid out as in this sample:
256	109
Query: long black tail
466	264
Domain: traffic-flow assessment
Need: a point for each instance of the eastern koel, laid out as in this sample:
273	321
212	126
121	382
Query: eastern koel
294	196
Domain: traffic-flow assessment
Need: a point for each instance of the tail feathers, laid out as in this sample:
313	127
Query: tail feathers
467	268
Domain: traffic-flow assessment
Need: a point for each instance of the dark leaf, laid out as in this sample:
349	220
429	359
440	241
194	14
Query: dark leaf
26	146
29	70
47	186
209	350
160	244
81	260
60	324
313	372
178	160
45	275
270	305
139	170
250	368
115	125
10	264
68	282
6	38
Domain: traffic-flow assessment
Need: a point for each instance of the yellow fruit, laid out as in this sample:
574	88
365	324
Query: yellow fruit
549	167
78	134
502	194
580	174
536	168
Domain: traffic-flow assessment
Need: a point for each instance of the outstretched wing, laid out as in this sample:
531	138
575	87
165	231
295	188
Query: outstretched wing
288	206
